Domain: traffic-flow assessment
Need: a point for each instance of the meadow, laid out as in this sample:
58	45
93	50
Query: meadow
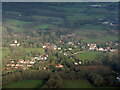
26	84
88	55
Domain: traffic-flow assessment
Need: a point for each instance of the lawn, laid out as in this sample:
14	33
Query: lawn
82	83
26	84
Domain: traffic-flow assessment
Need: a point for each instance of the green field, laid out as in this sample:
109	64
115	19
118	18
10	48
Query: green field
26	84
95	35
40	50
77	84
88	55
5	52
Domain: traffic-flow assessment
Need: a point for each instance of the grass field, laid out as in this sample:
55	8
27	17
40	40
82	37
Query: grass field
5	52
96	36
77	84
88	55
26	84
40	50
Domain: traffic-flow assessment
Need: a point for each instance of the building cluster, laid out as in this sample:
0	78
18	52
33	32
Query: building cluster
17	63
20	63
107	22
51	46
41	57
68	35
94	47
15	43
96	5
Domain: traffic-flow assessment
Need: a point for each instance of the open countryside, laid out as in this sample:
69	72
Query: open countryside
60	45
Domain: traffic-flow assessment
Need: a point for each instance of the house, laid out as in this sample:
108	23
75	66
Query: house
45	68
19	65
105	23
45	58
26	61
25	68
12	61
29	65
12	44
75	46
54	47
59	66
80	62
8	65
20	61
70	49
76	63
95	5
70	43
101	49
118	78
31	62
59	48
65	54
18	44
15	43
16	67
112	50
12	65
92	46
44	46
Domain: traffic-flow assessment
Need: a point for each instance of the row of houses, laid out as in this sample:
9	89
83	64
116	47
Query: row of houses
16	63
93	47
54	47
20	63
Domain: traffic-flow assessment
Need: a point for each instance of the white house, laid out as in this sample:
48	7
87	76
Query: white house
76	63
101	49
12	44
118	78
31	62
80	62
59	48
18	44
69	48
44	46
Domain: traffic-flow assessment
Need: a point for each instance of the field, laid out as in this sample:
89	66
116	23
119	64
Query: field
47	15
96	35
88	55
40	50
26	84
5	52
77	84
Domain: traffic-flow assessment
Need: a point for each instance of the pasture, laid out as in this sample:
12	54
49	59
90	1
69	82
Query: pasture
88	55
26	84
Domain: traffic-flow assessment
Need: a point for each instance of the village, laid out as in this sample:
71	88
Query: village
67	51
